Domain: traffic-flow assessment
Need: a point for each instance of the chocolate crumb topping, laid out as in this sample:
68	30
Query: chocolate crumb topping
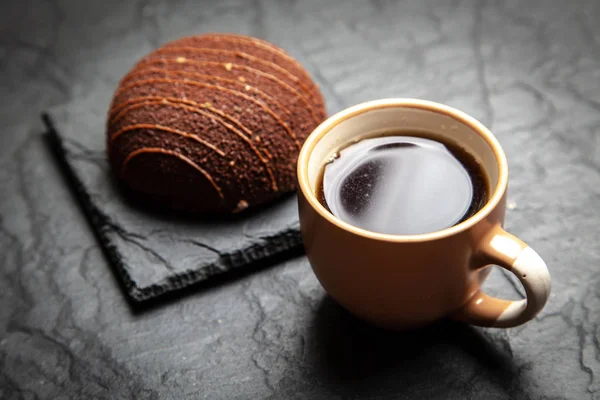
212	123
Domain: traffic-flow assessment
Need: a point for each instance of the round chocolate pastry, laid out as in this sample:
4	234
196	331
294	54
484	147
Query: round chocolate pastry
212	123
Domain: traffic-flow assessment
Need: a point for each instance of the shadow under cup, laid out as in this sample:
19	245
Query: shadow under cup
398	281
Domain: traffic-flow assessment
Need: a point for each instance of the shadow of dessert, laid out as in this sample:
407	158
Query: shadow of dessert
153	207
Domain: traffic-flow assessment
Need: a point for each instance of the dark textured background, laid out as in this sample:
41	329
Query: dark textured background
529	70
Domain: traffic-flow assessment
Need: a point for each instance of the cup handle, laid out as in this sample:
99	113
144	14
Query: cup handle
507	251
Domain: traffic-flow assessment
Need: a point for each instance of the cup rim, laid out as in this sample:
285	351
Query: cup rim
326	126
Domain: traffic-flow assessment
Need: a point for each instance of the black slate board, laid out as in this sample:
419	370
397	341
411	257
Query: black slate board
152	251
155	253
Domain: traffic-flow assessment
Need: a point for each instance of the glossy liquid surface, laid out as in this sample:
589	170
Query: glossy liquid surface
403	185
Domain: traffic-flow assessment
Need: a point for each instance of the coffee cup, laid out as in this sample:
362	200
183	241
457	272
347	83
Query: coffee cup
407	281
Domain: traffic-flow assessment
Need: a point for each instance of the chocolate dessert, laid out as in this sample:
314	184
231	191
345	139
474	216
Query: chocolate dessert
212	123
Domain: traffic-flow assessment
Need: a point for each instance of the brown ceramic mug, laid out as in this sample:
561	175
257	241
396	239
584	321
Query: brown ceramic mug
406	281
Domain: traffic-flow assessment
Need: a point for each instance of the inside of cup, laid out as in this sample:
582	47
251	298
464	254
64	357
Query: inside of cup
371	122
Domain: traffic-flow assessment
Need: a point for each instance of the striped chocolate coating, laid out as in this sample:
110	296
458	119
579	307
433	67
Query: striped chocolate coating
212	123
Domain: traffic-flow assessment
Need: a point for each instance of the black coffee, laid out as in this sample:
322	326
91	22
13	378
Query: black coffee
403	185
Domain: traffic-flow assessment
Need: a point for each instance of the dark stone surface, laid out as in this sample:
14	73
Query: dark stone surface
529	70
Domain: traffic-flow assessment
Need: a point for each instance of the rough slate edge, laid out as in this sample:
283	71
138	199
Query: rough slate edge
268	247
